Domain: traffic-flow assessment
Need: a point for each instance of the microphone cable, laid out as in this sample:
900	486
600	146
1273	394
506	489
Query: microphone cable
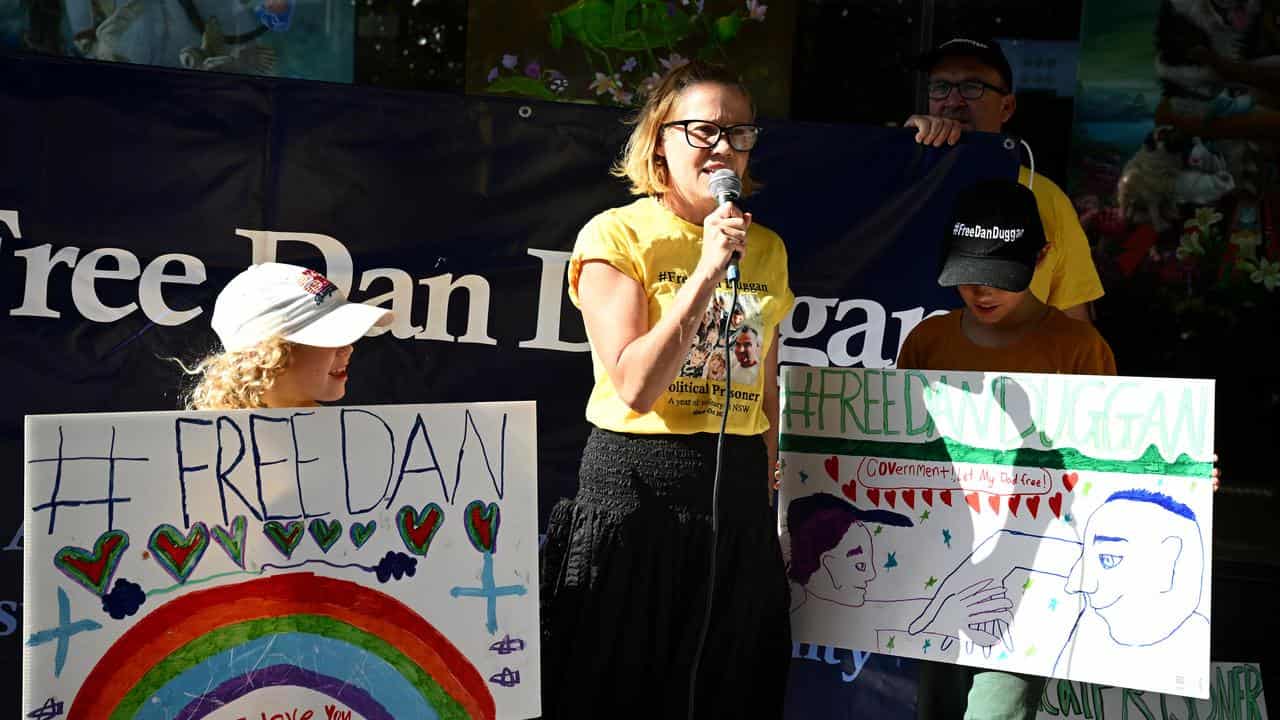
715	498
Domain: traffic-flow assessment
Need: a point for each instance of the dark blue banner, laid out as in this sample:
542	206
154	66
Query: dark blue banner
129	196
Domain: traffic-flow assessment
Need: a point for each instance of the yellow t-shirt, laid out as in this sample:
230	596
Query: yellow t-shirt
1058	344
657	248
1066	277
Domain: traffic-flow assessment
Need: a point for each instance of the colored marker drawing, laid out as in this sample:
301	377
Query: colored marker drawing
1086	563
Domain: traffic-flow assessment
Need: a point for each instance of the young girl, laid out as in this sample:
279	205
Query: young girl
287	335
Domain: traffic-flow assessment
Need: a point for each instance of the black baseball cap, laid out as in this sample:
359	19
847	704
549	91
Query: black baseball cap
985	50
995	237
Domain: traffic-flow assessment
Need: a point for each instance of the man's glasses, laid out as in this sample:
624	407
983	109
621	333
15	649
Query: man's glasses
705	134
969	89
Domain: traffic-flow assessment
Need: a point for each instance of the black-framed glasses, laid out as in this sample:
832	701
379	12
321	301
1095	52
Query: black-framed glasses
969	89
705	134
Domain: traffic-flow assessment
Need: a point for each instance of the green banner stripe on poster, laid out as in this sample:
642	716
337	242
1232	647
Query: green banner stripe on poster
1151	462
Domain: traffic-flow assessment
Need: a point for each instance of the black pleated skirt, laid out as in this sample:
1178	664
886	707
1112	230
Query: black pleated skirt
625	580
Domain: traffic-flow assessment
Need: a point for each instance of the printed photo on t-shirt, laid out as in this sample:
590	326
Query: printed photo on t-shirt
740	329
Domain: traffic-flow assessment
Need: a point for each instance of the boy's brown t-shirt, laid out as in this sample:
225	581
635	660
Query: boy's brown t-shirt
1059	344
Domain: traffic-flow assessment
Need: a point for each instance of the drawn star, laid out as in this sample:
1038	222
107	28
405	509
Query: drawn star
892	562
924	516
1068	518
1087	487
1053	604
878	529
1031	651
891	639
927	643
1026	585
804	477
930	582
1003	656
946	537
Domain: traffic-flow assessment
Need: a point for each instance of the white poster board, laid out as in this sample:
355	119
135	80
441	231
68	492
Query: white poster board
1047	524
358	562
1235	693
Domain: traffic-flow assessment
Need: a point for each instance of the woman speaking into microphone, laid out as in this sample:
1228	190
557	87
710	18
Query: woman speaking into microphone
643	595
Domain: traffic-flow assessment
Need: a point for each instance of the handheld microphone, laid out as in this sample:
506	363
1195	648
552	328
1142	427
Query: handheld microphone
725	188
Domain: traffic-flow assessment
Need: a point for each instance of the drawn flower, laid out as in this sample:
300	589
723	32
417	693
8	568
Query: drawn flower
1265	273
509	61
1190	245
604	83
755	10
674	61
557	81
1206	217
124	599
493	74
629	65
649	84
533	70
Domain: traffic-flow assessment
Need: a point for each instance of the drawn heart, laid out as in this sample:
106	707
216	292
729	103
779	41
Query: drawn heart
1014	502
850	490
909	497
179	555
945	497
360	534
482	525
927	495
418	527
1033	505
93	570
890	496
232	542
1055	504
873	494
325	533
832	464
284	537
994	502
1069	480
972	499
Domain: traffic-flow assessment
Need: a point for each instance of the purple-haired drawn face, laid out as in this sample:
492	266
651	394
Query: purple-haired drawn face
845	570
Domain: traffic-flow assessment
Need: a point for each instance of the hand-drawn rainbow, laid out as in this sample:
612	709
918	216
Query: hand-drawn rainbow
365	649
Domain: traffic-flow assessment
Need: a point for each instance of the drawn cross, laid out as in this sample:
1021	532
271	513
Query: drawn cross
62	633
490	591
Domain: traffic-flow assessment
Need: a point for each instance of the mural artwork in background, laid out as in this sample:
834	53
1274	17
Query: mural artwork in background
1235	693
1176	167
359	562
306	39
613	52
1047	524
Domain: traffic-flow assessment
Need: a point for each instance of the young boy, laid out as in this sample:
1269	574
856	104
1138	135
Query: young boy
992	248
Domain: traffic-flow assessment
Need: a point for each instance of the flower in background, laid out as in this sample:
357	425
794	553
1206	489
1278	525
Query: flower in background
629	65
674	61
621	95
493	74
509	61
649	84
755	10
1246	242
604	83
1206	217
533	69
1190	244
1264	273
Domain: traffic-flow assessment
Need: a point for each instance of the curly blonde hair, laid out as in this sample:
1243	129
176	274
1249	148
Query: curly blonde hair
238	380
640	162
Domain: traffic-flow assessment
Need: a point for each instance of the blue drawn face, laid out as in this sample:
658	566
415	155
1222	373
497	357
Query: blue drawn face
1129	571
846	569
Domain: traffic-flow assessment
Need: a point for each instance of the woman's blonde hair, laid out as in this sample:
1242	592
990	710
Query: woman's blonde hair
640	162
238	380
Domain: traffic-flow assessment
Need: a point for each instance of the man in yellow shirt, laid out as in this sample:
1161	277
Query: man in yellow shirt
971	88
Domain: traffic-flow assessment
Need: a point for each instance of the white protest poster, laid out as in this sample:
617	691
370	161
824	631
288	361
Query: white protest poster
1235	693
1047	524
369	562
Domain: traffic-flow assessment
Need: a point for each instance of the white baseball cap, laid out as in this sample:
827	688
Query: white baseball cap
295	303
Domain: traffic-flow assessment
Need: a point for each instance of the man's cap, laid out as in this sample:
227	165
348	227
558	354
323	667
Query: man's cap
295	303
985	50
995	237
